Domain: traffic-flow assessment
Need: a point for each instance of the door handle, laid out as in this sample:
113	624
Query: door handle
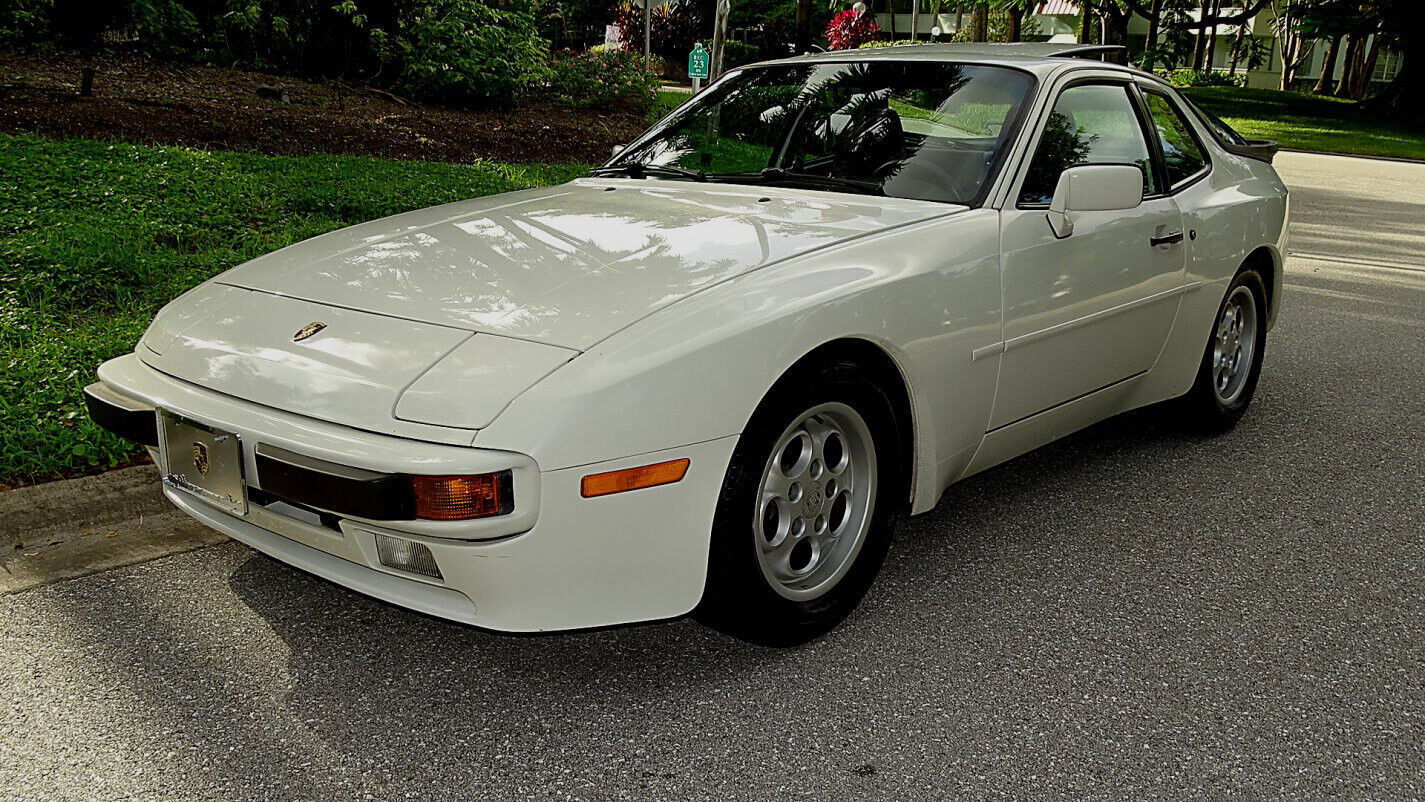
1167	239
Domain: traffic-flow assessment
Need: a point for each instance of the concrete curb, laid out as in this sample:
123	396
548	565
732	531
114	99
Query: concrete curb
1398	159
67	529
85	501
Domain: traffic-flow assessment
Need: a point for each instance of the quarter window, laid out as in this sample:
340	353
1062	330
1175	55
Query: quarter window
1181	153
1090	124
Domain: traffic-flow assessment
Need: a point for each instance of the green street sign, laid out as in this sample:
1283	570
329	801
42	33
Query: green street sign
698	62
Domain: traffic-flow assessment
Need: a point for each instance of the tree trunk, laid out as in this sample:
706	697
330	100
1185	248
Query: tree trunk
1291	44
1151	45
86	82
724	8
1116	27
803	39
915	20
1351	63
1085	29
1201	43
1363	76
1016	23
1237	51
980	23
1328	68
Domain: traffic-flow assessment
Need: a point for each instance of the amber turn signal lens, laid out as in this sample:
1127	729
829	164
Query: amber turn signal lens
663	473
459	498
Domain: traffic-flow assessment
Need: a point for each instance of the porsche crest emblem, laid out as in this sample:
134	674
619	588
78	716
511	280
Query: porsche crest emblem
200	458
308	330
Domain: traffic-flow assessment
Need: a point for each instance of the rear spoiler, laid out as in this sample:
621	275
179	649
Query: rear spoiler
1263	150
1118	54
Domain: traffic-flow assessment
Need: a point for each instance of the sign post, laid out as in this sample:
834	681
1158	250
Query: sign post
698	66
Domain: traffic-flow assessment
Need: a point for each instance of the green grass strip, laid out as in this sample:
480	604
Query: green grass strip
96	236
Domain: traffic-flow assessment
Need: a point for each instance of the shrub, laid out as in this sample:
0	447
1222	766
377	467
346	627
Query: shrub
1186	78
673	29
850	29
607	78
164	27
24	21
735	54
464	51
885	43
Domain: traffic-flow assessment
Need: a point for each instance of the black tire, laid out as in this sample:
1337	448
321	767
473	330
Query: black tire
739	598
1204	405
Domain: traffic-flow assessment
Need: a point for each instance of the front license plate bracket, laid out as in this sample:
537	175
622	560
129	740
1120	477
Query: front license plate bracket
202	461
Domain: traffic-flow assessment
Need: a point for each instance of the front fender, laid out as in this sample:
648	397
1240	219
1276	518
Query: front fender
927	294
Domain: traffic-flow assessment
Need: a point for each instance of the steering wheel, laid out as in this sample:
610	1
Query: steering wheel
942	184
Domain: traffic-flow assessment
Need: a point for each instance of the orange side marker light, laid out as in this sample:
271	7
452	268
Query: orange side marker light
662	473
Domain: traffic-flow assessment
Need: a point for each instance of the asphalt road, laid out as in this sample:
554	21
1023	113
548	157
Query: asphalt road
1133	612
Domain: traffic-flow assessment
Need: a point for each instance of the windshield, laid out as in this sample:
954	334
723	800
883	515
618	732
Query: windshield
923	130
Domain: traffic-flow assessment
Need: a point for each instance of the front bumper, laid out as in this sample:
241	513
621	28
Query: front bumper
558	561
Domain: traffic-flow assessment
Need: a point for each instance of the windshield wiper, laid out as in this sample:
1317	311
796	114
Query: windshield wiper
779	175
636	170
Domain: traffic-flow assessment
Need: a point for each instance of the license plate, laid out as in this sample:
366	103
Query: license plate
203	461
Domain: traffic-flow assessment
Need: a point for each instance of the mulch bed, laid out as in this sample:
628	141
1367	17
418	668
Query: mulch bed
144	101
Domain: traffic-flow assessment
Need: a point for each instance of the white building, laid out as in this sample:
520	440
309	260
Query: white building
1058	21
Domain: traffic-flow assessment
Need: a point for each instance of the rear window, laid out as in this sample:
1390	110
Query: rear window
1219	129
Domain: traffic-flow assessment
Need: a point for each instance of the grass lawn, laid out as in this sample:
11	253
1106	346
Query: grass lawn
664	103
95	237
1308	122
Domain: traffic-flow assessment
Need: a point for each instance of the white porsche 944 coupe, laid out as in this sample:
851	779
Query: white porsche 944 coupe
709	378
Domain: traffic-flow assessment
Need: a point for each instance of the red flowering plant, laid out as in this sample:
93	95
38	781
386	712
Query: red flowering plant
850	29
608	79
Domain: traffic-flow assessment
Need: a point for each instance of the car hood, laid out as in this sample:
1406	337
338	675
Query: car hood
567	265
374	372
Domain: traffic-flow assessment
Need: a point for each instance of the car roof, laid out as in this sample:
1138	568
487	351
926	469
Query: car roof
1041	58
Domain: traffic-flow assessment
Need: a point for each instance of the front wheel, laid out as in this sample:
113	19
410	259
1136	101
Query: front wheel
807	509
1232	362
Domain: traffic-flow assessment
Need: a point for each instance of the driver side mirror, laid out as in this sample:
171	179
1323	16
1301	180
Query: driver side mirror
617	148
1094	188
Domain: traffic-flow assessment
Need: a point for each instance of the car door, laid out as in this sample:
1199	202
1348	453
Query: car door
1093	309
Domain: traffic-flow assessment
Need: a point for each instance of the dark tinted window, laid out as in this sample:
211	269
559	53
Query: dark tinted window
1090	124
930	131
1215	124
1181	152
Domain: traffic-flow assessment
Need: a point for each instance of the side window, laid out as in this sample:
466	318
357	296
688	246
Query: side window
1090	124
1181	153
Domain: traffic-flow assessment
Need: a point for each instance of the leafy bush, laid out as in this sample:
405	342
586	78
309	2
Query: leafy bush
735	54
673	29
850	29
1186	78
571	23
24	21
885	43
464	51
164	27
607	78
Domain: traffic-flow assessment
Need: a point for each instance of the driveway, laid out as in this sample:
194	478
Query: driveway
1132	612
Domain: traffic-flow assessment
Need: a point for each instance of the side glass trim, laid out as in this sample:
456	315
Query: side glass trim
1192	132
1016	188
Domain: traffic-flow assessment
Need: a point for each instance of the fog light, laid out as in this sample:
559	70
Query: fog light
406	555
459	498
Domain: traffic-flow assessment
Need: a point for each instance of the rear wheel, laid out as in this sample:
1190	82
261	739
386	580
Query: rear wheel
807	508
1232	362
